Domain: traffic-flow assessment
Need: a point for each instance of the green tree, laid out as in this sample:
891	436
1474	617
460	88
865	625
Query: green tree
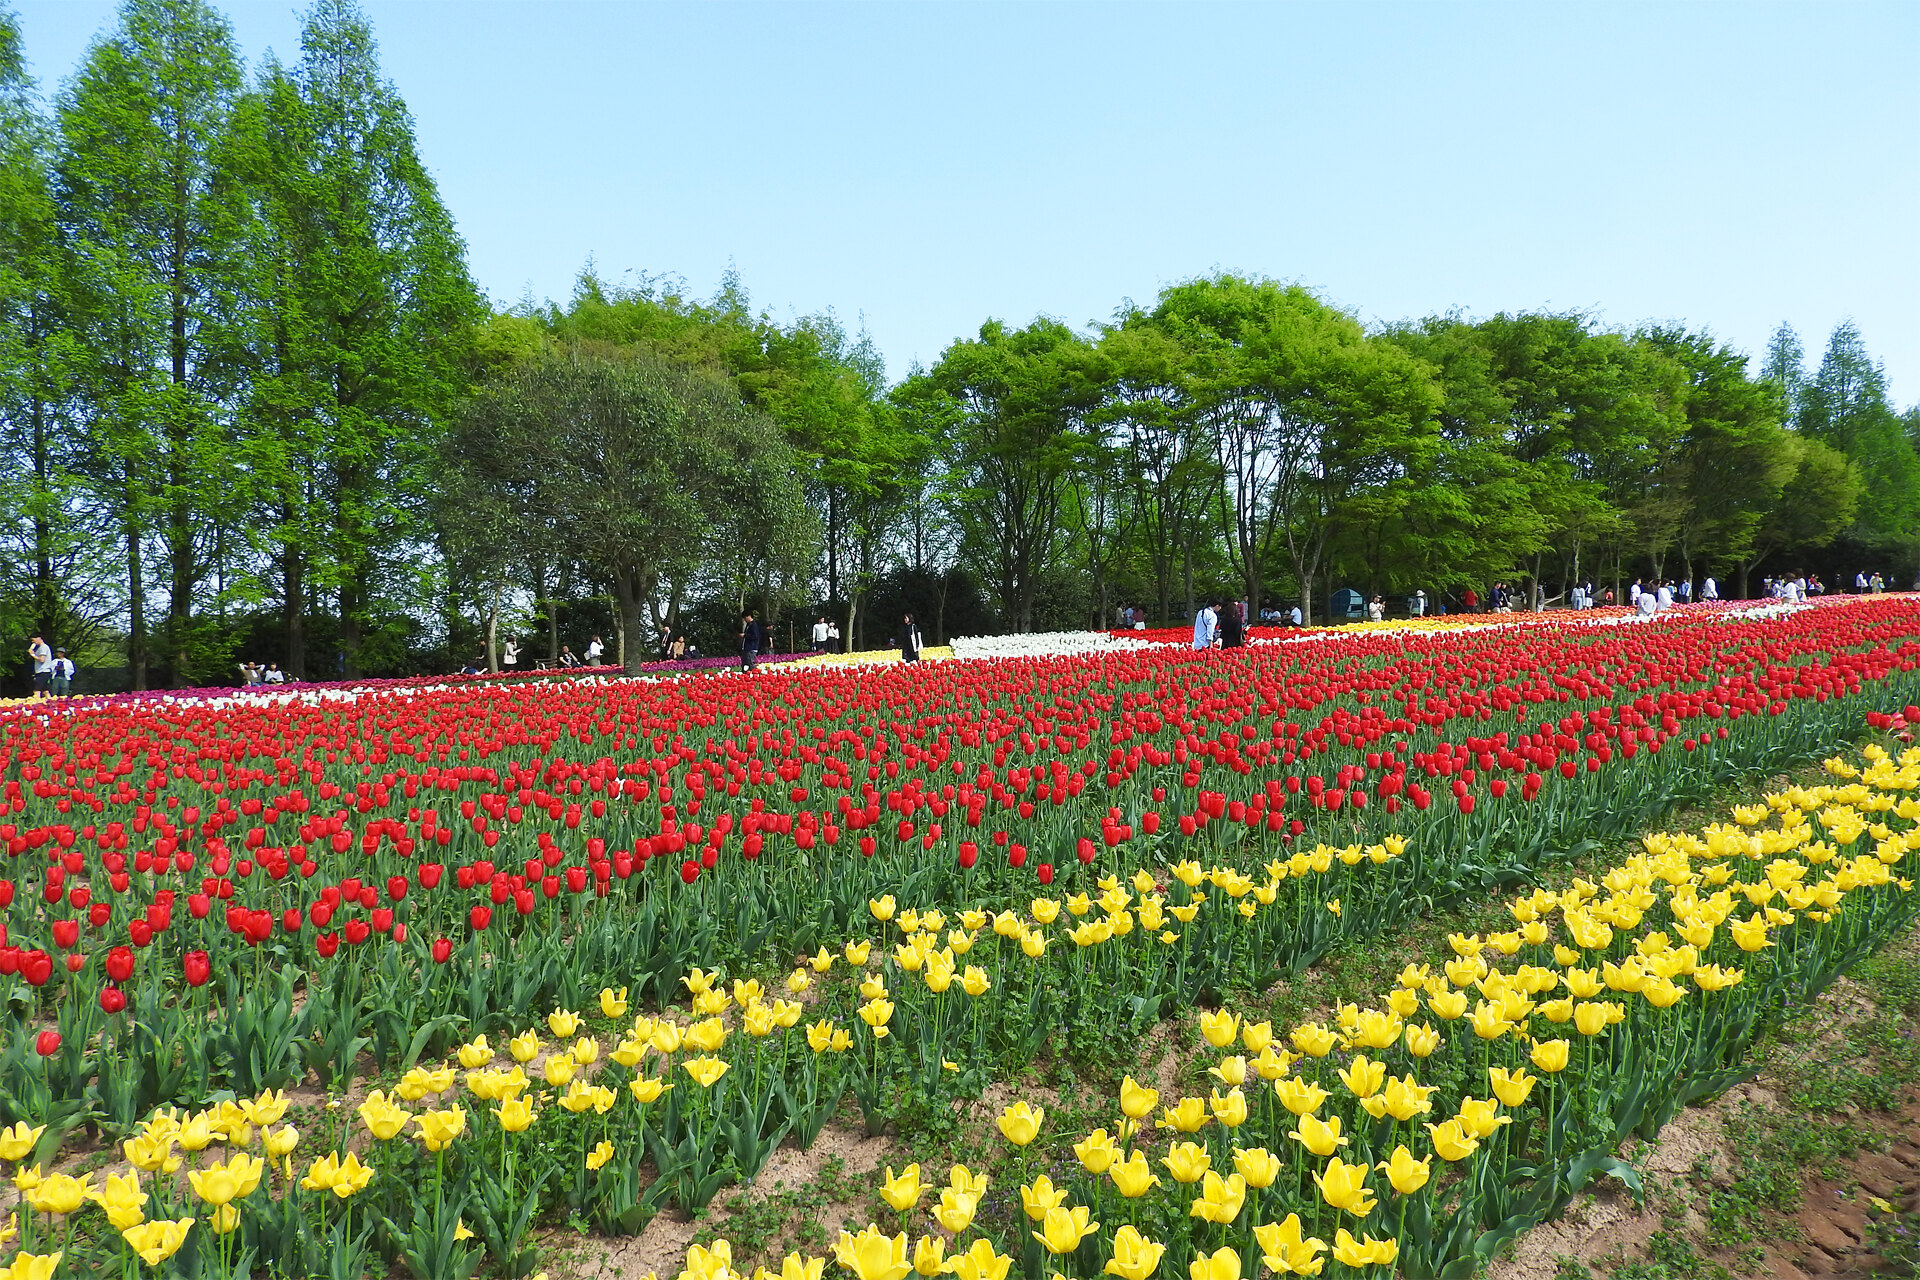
1317	426
1845	405
364	317
649	473
1022	398
146	191
1815	505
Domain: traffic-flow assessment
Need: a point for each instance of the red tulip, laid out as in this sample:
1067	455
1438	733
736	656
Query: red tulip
47	1043
442	950
195	967
112	999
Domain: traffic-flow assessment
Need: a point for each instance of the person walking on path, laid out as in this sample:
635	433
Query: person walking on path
749	640
909	639
1205	624
820	635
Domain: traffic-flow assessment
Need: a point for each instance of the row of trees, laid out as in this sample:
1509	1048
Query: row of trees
253	405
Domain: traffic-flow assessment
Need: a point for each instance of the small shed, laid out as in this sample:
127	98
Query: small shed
1348	603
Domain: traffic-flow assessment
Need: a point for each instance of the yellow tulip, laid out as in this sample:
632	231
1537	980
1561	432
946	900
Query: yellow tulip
151	1154
1322	1137
524	1047
1062	1230
1097	1152
196	1133
1301	1097
18	1141
979	1262
586	1050
1134	1256
930	1256
1422	1040
707	1070
956	1209
559	1069
1512	1088
874	988
1313	1040
1187	1162
1136	1102
514	1114
902	1191
1258	1166
1344	1186
35	1266
344	1177
1020	1124
1590	1018
1364	1077
857	953
1220	1198
1286	1252
1219	1027
600	1154
1405	1173
123	1201
1224	1264
707	1035
1040	1196
1365	1252
1230	1111
1480	1118
1189	1117
1550	1055
438	1129
563	1022
872	1255
475	1053
1133	1177
882	908
221	1184
1452	1141
157	1241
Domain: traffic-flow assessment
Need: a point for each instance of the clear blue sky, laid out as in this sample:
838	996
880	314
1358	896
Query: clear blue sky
926	166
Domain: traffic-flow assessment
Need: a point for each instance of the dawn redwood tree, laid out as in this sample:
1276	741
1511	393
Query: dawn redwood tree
1845	405
362	314
145	187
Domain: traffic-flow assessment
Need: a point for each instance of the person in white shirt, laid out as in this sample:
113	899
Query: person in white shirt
833	637
1662	599
594	650
1376	610
1860	583
820	636
1709	590
62	673
1205	624
1417	604
274	674
1645	604
510	656
42	659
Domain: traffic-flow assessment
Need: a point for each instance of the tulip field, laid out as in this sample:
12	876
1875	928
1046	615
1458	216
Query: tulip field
586	951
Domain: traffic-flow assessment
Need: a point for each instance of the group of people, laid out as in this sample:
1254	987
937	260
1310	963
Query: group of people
53	670
252	673
512	652
1221	625
826	635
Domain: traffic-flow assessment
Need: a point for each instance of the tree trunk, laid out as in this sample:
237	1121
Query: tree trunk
493	630
136	614
294	611
626	597
46	603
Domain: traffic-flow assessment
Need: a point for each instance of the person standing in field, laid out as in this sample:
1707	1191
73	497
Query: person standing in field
40	658
594	650
749	640
1205	624
909	639
62	681
1232	630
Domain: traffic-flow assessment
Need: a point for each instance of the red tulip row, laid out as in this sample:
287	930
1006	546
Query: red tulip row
736	814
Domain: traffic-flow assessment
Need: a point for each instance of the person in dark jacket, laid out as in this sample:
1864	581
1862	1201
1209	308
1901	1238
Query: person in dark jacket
1233	628
750	635
909	639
